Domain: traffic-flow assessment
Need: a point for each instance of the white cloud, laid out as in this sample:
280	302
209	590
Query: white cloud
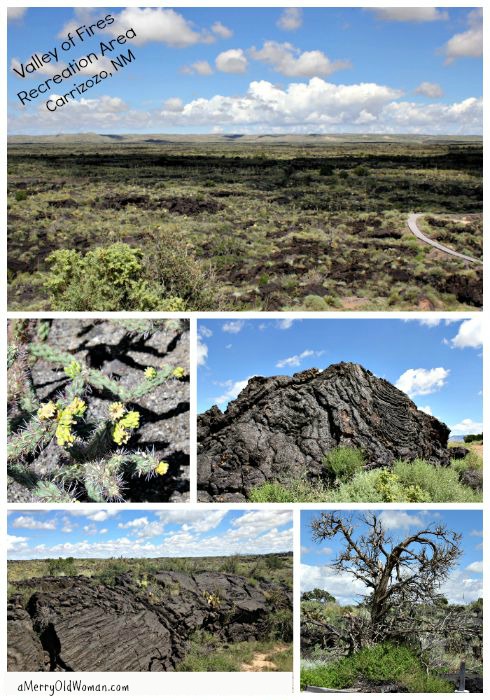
103	531
256	521
201	351
174	104
232	61
399	520
137	522
285	324
475	567
291	19
157	24
432	90
410	14
199	67
426	409
476	533
204	331
220	30
15	543
296	360
461	590
30	523
467	427
14	13
469	335
431	322
345	588
233	326
289	61
100	515
420	382
232	390
469	43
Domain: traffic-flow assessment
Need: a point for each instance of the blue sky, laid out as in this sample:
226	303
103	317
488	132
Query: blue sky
36	534
436	362
258	70
463	586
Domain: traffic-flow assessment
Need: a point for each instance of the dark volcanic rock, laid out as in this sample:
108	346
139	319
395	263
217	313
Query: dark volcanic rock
458	452
282	427
75	624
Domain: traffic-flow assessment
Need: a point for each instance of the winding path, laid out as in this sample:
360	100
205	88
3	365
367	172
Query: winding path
412	225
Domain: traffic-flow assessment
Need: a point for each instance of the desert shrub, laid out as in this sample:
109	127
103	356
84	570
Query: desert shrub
109	572
279	625
105	279
295	491
169	261
441	483
376	664
343	462
20	196
312	302
62	567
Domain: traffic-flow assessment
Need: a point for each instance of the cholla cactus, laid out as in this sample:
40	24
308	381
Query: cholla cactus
94	463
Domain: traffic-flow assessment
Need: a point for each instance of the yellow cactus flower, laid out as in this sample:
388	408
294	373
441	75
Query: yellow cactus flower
46	411
73	369
150	373
162	468
116	410
130	420
178	372
77	407
119	435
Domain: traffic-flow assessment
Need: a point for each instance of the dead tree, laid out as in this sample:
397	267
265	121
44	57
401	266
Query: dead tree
398	575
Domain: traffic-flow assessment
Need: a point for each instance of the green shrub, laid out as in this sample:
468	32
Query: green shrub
377	664
474	438
312	302
344	462
20	196
105	279
440	483
62	567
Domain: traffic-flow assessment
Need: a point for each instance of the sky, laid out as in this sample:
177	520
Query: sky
36	534
438	363
255	70
463	585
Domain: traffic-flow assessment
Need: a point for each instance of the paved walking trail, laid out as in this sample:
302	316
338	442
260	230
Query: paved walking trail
412	225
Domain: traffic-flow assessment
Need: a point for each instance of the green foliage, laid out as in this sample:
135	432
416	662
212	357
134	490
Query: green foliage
105	279
313	302
344	462
62	567
20	196
318	595
377	664
441	483
478	437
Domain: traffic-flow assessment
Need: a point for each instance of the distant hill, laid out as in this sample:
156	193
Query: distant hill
240	138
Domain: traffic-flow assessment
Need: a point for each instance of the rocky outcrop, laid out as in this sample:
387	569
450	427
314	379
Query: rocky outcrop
76	624
281	428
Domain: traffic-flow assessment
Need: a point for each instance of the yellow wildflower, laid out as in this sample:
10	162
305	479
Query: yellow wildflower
73	369
119	435
130	420
116	410
178	372
150	373
77	407
46	411
162	468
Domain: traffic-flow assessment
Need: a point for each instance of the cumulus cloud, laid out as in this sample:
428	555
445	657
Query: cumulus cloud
15	543
232	390
410	14
467	427
99	516
461	589
345	588
202	351
199	67
400	520
296	360
220	30
299	107
158	24
420	382
475	567
432	90
233	326
232	61
290	61
426	409
30	523
174	104
15	13
290	19
205	331
469	335
468	44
